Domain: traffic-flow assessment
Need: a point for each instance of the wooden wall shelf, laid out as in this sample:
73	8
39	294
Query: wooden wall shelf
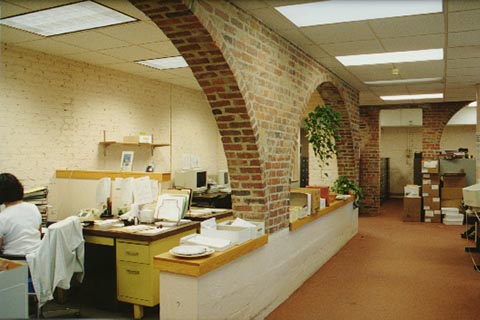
152	146
99	174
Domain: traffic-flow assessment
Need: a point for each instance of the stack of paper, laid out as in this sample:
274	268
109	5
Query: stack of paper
172	206
38	197
214	243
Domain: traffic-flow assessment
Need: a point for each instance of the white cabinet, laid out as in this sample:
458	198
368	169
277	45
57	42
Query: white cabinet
401	118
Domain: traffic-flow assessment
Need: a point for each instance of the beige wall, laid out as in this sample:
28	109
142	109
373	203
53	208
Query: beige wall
399	144
54	112
395	141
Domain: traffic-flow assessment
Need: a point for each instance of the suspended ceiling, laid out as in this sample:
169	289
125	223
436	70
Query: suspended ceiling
457	30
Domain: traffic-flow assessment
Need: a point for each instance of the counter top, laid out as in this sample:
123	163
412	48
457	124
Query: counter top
116	232
198	266
333	206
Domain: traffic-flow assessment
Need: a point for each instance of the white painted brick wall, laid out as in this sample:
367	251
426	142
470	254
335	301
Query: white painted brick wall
54	112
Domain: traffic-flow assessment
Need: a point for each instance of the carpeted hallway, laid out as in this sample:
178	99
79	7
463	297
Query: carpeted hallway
392	270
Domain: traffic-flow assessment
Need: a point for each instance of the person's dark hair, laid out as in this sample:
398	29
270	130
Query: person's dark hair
10	188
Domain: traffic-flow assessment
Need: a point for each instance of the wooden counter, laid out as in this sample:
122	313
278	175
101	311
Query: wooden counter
333	206
199	266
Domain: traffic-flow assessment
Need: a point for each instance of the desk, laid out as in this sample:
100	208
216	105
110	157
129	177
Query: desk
213	200
123	262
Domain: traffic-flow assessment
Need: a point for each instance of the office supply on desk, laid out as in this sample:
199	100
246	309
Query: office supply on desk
195	179
88	214
214	243
184	251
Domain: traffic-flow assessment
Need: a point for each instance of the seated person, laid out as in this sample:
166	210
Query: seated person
20	222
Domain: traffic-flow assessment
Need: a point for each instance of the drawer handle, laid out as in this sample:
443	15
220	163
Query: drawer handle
131	253
133	271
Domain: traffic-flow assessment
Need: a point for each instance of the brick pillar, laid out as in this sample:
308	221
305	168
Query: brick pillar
370	159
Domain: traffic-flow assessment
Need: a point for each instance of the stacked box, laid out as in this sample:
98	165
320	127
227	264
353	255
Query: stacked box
412	209
452	193
309	197
431	191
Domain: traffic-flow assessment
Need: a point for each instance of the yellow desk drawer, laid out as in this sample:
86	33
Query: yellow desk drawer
135	283
133	252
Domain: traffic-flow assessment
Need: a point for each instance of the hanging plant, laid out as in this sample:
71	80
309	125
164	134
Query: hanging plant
322	125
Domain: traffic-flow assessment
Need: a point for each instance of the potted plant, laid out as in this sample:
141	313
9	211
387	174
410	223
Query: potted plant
343	185
321	126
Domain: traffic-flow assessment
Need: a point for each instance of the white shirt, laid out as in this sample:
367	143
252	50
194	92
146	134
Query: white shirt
19	228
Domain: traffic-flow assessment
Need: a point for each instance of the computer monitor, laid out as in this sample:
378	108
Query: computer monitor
471	195
195	179
222	178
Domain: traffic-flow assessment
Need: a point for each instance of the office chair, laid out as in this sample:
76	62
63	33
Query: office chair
59	257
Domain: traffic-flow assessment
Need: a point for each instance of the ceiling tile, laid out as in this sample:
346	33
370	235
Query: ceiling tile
462	63
425	88
464	52
462	39
315	51
464	20
248	5
91	40
459	5
12	35
135	32
470	71
431	41
130	67
340	32
94	58
273	19
408	26
11	9
424	69
162	48
296	37
39	5
125	7
52	47
373	72
130	53
351	48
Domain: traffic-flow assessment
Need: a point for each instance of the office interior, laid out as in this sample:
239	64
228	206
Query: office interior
239	105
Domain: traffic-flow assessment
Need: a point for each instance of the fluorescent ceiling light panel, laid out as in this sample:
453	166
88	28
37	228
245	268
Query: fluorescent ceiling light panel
472	104
336	11
165	63
402	81
391	57
413	97
69	18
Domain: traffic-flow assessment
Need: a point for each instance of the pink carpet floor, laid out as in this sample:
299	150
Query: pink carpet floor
392	270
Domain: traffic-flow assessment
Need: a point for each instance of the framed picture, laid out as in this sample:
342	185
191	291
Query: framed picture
127	160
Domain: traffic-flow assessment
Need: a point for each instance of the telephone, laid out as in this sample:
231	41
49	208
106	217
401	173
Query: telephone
89	214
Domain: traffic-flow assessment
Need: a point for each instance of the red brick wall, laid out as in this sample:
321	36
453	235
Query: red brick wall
435	118
258	86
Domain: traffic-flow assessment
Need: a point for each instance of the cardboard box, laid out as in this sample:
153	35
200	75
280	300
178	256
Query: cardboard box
255	232
451	203
298	198
450	193
430	179
411	190
434	219
454	180
431	190
236	235
430	166
431	203
131	139
412	209
324	192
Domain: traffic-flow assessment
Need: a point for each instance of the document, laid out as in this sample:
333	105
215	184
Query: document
142	190
103	190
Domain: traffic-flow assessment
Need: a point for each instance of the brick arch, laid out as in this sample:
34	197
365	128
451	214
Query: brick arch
435	118
346	160
224	95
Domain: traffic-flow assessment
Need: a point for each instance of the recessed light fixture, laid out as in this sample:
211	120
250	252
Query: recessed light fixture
68	18
413	97
391	57
472	104
336	11
402	81
165	63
